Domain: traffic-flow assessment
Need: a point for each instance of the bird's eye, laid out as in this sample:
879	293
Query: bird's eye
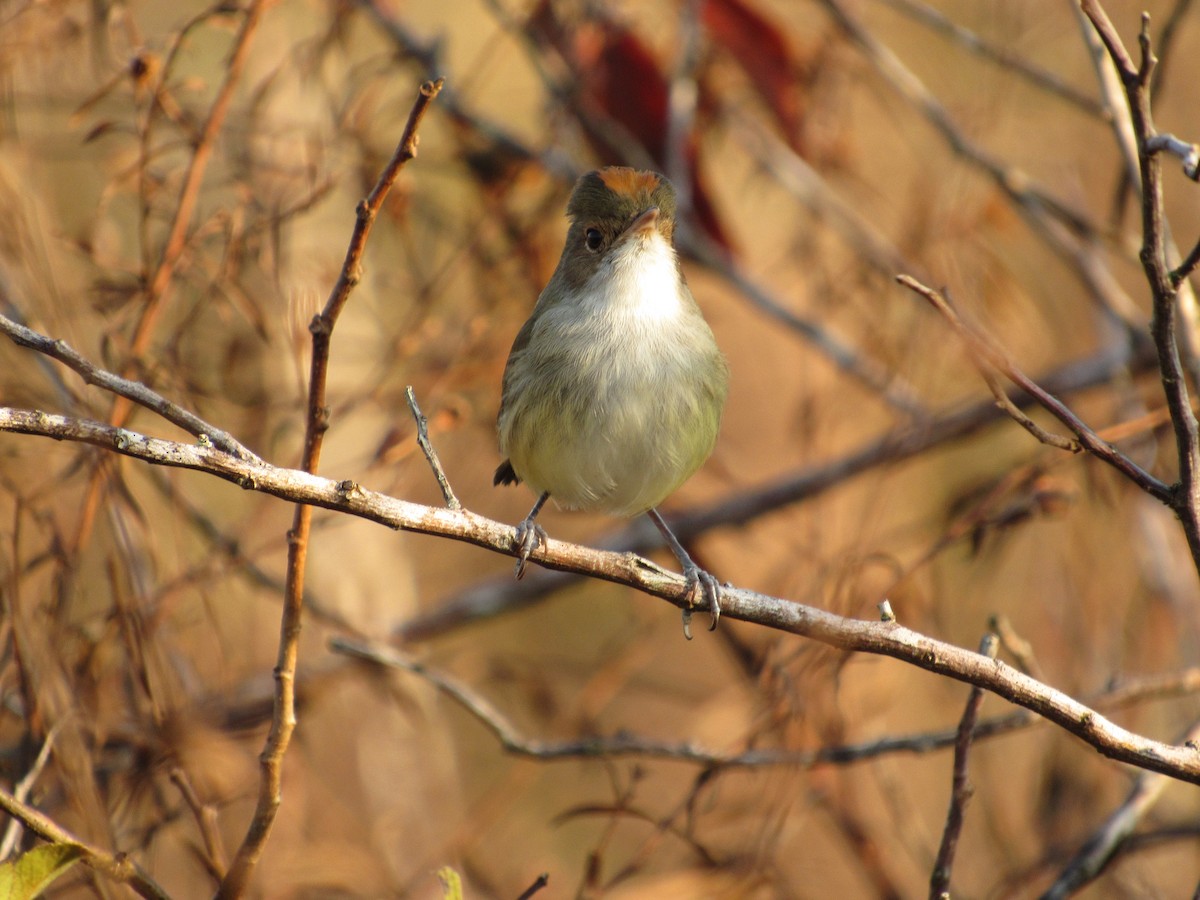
593	238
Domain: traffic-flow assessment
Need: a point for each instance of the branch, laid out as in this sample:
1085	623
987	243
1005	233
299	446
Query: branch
1135	79
774	612
1112	86
886	639
283	721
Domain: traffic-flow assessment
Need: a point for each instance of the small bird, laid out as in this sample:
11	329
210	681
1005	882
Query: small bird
614	387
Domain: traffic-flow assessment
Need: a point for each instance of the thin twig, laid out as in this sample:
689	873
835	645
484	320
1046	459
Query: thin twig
1166	45
283	721
1117	99
430	453
1176	684
984	352
960	791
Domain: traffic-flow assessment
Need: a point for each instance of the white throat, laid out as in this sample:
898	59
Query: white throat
639	280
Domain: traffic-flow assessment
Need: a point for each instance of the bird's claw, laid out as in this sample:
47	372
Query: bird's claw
530	536
701	585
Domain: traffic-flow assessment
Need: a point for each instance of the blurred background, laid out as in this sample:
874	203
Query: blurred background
821	147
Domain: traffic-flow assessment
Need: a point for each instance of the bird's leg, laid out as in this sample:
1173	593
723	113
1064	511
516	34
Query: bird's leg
530	535
698	580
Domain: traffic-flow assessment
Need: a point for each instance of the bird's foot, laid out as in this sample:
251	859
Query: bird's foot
530	536
701	586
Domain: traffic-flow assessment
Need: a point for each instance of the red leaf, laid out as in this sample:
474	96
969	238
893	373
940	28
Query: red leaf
764	54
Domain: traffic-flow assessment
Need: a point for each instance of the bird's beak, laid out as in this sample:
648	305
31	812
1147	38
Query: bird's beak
644	223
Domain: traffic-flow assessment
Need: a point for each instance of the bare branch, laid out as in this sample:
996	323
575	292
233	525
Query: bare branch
1185	268
1185	501
1116	98
206	821
283	721
1016	646
887	639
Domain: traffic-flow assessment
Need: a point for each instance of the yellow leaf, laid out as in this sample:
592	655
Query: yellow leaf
31	873
451	884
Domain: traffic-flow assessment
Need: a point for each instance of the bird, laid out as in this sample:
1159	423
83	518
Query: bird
613	391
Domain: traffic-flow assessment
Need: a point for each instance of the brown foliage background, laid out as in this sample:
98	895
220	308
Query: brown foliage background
141	605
